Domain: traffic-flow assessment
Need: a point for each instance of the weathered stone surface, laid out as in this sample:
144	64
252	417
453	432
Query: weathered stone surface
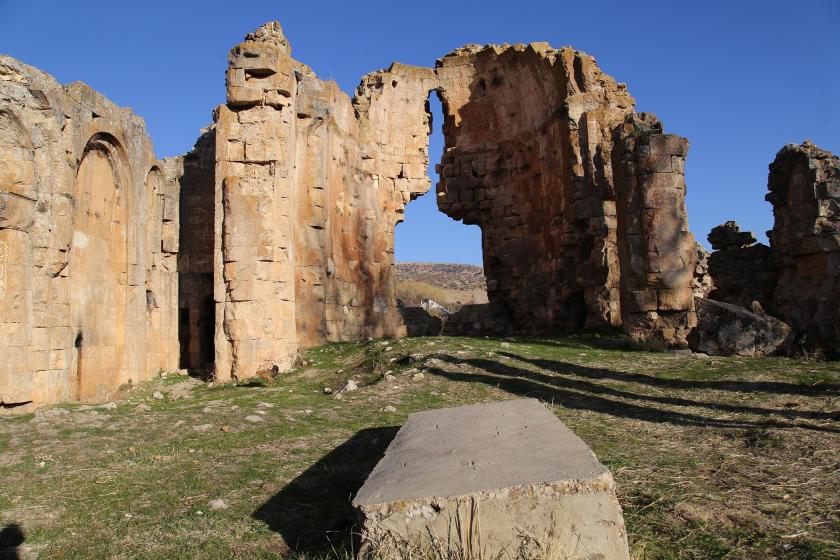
88	292
741	270
729	236
511	468
419	322
479	319
275	233
657	252
702	284
724	329
804	185
528	134
309	188
195	175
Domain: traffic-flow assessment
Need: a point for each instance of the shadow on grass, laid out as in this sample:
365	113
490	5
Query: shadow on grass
11	537
575	387
718	385
313	512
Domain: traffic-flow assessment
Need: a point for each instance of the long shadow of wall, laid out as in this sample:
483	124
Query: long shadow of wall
11	537
313	512
580	387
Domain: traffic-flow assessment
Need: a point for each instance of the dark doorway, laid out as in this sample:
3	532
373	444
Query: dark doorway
196	320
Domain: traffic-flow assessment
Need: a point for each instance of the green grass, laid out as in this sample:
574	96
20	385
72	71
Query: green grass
713	457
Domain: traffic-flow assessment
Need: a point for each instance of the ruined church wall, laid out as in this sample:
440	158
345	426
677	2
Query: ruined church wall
582	212
528	140
88	281
309	187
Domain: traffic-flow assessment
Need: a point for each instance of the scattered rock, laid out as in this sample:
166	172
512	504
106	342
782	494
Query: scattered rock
109	406
217	504
263	405
183	389
254	418
351	385
142	407
179	423
388	377
505	344
724	329
50	413
327	391
202	427
729	236
389	408
417	376
157	395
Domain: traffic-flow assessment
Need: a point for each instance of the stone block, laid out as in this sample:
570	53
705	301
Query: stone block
489	478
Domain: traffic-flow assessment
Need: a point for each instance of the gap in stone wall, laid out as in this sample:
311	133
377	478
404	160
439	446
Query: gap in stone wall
427	236
196	306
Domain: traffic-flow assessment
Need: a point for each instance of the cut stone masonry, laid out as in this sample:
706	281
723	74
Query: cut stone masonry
276	232
88	244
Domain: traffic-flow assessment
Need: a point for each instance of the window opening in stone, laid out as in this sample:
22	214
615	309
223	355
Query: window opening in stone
438	260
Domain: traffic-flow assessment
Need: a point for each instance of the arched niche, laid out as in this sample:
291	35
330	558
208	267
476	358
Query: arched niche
99	268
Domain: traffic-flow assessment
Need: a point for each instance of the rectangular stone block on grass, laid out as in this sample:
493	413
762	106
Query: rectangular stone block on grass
498	480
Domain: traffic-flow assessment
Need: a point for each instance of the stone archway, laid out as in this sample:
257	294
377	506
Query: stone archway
99	270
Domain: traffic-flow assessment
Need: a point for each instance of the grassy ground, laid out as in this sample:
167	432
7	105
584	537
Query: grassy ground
714	457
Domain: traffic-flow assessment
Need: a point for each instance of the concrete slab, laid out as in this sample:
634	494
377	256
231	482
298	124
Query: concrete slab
504	479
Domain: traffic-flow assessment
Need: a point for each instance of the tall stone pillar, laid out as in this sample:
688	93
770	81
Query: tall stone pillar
656	251
254	270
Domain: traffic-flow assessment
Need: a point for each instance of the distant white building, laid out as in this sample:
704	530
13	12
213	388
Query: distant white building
432	305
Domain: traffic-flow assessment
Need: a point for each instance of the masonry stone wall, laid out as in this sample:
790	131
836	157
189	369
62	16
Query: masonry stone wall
533	136
310	185
88	244
657	252
804	189
528	142
276	232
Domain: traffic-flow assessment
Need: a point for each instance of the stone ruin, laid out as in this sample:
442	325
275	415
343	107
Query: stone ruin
275	233
797	278
485	480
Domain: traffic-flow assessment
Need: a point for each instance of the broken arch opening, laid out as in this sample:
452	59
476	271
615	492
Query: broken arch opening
438	260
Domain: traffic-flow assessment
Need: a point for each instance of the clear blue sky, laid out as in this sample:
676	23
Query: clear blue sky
739	79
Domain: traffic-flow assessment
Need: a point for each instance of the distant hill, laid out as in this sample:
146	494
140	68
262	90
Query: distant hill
443	275
451	285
